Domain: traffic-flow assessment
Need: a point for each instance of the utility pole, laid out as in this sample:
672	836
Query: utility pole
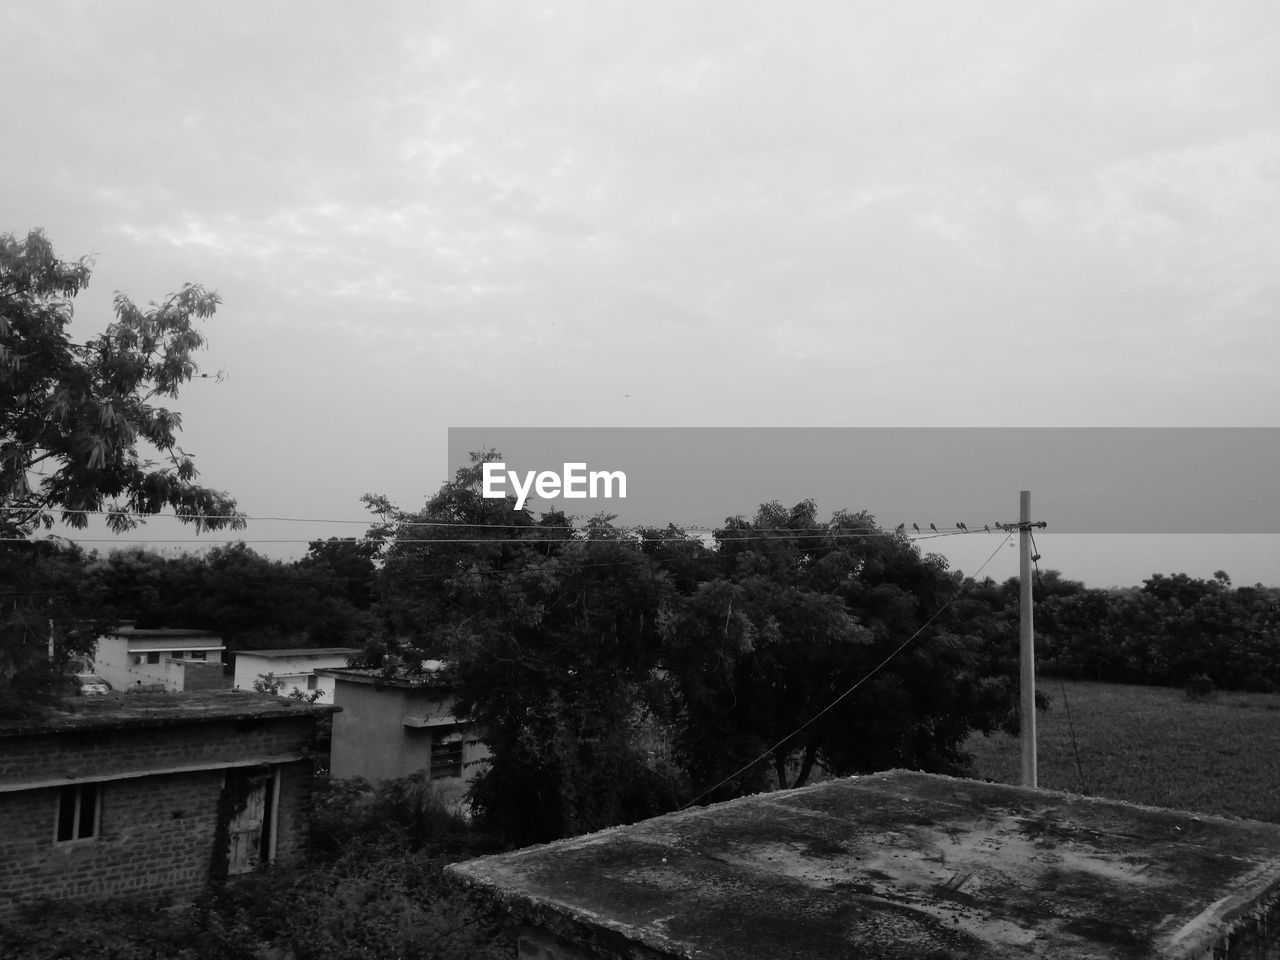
1026	642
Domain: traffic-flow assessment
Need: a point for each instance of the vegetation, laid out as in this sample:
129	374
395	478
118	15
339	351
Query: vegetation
1172	630
1151	745
251	601
373	888
579	651
79	434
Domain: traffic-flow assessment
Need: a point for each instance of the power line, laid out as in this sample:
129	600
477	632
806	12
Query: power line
960	528
726	535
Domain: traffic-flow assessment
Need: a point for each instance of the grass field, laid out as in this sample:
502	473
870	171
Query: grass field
1152	745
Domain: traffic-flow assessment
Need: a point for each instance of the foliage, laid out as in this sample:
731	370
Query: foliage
576	650
79	434
248	599
406	814
1172	629
78	412
1200	687
43	597
373	888
548	649
1151	745
270	683
802	610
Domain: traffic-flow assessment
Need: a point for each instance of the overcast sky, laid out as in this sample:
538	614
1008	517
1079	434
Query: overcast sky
424	215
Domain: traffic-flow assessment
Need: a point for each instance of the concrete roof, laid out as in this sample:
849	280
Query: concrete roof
120	710
375	676
299	652
897	865
161	633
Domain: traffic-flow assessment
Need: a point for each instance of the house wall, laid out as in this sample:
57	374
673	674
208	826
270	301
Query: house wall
195	675
113	661
293	672
157	827
371	741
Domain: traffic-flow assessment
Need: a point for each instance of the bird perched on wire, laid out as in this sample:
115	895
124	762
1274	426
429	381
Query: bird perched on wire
900	528
916	526
960	526
933	528
986	527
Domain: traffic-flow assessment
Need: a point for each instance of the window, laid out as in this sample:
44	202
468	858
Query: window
199	655
446	755
153	657
311	682
137	659
77	812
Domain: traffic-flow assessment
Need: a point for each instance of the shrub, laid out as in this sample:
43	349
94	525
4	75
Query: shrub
1200	687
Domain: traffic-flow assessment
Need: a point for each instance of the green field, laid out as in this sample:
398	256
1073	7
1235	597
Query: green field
1152	745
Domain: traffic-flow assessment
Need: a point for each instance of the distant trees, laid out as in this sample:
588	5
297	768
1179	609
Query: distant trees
249	599
1169	630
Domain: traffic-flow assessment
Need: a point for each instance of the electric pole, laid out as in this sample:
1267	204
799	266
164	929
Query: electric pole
1026	640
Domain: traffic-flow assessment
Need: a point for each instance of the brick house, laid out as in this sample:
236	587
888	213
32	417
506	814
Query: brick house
151	795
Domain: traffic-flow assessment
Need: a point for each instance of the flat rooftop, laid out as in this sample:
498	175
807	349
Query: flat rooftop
375	677
161	633
300	652
897	865
118	711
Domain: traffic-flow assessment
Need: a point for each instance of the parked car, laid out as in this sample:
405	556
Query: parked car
91	685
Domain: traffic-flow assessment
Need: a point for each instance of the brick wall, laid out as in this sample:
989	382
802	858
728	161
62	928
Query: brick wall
156	833
198	675
90	752
155	838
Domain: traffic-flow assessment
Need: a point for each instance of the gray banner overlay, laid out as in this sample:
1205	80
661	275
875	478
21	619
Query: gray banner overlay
1082	480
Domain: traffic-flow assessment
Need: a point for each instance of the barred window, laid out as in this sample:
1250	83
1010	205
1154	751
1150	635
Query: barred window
446	755
78	812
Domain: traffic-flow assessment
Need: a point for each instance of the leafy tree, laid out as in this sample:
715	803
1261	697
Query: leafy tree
549	634
803	610
79	432
78	413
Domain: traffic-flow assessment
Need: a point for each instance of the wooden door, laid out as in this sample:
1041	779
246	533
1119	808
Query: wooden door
247	829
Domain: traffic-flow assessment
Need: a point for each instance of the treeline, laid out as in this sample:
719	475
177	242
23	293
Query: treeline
324	599
1173	630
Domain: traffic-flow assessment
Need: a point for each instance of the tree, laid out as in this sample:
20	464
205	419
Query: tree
803	610
549	634
79	433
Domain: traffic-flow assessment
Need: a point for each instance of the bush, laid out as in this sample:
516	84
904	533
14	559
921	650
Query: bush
412	813
373	888
1200	687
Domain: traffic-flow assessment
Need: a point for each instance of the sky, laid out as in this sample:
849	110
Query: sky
422	216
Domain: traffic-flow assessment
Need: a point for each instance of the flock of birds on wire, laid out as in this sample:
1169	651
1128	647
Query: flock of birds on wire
901	528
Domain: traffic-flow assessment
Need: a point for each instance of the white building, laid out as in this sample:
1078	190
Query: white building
176	660
294	669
